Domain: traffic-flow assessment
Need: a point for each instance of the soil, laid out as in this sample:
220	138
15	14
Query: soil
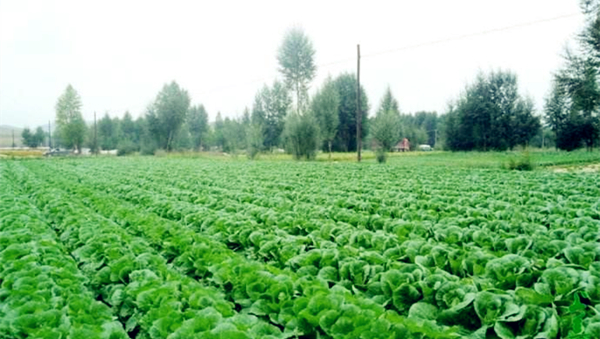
591	168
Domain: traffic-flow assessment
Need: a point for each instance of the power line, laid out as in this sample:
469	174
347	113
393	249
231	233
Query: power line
404	48
470	35
245	83
395	50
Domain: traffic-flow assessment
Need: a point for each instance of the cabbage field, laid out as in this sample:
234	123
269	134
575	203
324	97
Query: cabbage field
197	248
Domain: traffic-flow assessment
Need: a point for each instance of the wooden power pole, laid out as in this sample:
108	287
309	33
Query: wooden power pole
95	135
542	138
358	113
49	137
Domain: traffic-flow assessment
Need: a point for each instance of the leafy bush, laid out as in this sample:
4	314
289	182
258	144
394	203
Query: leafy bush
148	148
386	131
126	147
255	140
302	135
522	163
381	156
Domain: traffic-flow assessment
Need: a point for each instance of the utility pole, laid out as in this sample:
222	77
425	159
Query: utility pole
358	115
13	135
95	135
49	137
542	138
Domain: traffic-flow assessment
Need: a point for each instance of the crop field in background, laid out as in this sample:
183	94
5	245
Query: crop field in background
432	246
539	157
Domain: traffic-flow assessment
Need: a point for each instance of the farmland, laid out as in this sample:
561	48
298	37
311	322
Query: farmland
202	248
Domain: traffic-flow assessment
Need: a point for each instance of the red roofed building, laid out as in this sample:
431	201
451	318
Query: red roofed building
402	146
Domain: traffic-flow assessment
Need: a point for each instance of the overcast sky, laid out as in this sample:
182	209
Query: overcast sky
118	54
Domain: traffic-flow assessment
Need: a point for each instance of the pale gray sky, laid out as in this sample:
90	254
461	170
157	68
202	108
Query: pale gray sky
118	54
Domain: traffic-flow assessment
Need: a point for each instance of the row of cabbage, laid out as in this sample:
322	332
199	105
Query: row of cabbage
413	257
146	295
299	305
43	294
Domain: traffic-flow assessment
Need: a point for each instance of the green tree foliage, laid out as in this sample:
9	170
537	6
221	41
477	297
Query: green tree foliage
325	106
428	122
108	136
141	129
525	125
269	111
210	138
56	142
128	138
546	138
69	121
254	140
420	128
33	140
388	103
231	136
219	132
148	143
386	129
296	63
386	132
126	147
128	130
166	115
277	104
244	123
198	126
573	104
26	135
91	140
258	115
246	117
562	119
258	120
302	135
413	131
39	135
491	115
345	139
183	139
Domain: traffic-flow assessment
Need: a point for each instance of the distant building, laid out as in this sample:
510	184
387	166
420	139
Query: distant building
402	146
425	148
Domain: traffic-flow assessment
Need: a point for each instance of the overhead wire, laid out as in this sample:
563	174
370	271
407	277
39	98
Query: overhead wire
399	49
470	35
404	48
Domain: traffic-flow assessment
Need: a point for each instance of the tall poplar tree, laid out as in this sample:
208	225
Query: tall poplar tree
325	105
166	115
69	121
296	57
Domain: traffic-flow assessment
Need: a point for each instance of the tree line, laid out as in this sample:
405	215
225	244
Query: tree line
490	114
572	108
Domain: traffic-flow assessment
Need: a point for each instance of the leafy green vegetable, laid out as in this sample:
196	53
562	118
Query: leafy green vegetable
298	250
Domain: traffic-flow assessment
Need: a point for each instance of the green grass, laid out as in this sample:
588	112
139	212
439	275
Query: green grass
539	158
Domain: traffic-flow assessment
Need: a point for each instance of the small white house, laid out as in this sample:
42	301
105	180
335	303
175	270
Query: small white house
425	148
